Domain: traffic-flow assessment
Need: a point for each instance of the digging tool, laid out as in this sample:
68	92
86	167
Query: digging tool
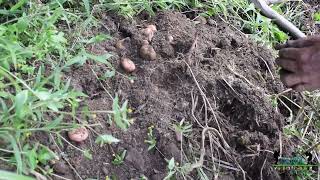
279	19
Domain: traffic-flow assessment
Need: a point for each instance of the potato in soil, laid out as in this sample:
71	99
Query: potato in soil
147	52
78	135
128	65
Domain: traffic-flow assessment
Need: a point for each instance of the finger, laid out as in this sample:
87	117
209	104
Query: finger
287	64
290	79
289	53
280	46
300	87
304	87
299	43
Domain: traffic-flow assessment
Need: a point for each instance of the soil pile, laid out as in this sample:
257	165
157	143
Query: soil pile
205	74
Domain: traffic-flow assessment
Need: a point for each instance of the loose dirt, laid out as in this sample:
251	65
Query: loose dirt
209	76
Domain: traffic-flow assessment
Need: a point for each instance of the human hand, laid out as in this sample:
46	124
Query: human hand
300	63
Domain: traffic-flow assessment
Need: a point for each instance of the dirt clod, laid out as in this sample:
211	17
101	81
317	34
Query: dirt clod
60	168
136	159
123	43
170	150
158	176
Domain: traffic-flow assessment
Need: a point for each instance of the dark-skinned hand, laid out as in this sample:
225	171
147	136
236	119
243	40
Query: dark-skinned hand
300	63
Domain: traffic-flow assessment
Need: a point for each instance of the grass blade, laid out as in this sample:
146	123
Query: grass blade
5	175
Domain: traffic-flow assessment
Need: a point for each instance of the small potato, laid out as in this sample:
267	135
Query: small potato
201	20
147	51
128	65
78	135
149	31
152	27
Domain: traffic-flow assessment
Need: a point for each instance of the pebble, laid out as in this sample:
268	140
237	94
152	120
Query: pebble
105	171
60	168
212	22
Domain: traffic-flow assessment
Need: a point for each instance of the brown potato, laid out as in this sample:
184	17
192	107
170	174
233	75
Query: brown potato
128	65
201	20
149	31
152	27
147	51
78	135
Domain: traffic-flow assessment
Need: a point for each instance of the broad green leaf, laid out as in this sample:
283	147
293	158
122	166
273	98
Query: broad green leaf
3	106
44	155
316	16
87	154
109	74
32	158
99	38
18	5
20	100
43	95
117	114
100	58
87	6
79	59
22	24
171	164
55	106
57	78
5	175
53	124
4	94
39	75
106	138
16	152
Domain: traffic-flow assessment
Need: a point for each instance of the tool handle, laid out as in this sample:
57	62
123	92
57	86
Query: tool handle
279	19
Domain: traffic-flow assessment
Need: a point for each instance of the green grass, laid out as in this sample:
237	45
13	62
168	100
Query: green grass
316	16
35	53
241	13
39	42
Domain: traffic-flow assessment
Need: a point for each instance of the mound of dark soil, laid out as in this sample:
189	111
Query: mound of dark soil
209	76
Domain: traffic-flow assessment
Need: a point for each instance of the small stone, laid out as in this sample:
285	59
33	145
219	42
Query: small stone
202	20
170	39
123	43
60	168
212	22
178	136
53	147
105	171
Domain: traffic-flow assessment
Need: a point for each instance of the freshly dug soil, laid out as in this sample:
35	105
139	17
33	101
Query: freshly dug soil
311	7
209	76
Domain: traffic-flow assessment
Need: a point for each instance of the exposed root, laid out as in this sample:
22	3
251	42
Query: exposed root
261	171
64	158
219	140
